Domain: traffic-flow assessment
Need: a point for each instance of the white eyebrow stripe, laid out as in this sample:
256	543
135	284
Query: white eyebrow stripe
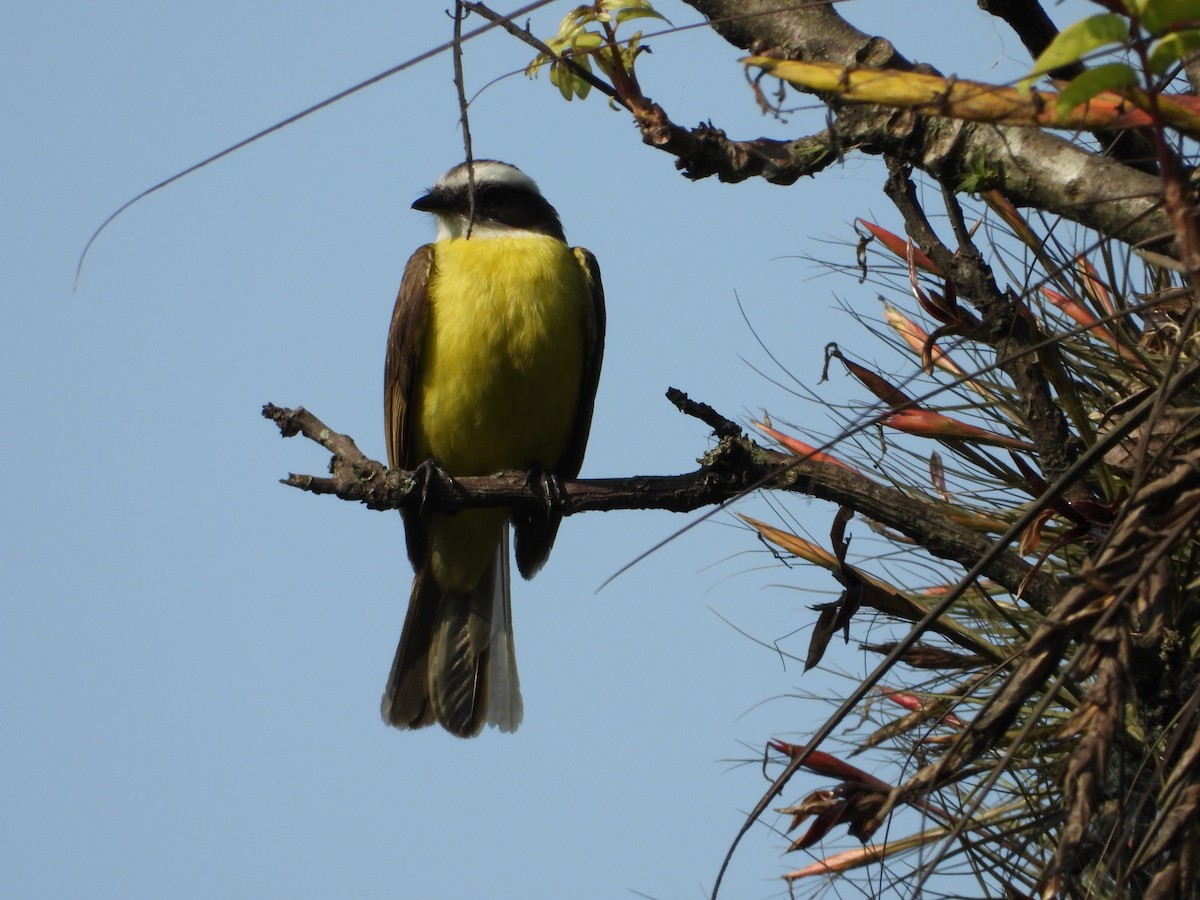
487	172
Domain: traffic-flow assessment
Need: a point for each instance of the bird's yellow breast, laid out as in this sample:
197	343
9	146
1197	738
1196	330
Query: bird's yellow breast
503	353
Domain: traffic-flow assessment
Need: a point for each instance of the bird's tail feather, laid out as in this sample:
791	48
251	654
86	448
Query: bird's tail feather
505	707
456	662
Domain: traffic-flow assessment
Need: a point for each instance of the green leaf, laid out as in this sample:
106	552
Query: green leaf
587	41
632	9
1159	15
1080	39
1171	49
643	12
568	83
558	78
583	46
1092	82
573	22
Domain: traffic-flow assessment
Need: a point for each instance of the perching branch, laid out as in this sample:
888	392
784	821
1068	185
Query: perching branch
733	467
730	470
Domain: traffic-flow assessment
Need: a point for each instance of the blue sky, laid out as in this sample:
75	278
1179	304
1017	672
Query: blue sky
192	654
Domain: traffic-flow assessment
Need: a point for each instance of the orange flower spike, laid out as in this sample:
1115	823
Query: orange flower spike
941	590
801	449
867	854
1081	315
1095	287
926	423
901	247
878	385
827	764
918	338
1004	208
839	862
913	703
794	544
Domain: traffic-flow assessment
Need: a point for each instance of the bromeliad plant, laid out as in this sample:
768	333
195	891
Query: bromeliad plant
1059	419
1056	410
1049	741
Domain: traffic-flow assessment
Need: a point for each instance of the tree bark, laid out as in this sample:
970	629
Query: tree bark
1033	168
732	469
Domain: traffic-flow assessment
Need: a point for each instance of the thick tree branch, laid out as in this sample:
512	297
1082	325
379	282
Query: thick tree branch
1030	166
736	466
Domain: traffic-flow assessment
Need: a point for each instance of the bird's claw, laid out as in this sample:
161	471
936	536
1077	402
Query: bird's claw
547	485
427	475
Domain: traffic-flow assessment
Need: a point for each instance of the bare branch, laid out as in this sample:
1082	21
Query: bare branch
733	468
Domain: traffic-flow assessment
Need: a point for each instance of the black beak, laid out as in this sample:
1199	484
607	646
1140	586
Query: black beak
433	202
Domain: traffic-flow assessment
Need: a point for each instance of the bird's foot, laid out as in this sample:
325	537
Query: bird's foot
429	476
547	485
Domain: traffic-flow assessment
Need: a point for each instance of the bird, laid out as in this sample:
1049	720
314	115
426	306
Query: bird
493	360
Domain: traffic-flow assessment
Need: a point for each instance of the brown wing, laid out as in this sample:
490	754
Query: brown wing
572	460
535	532
400	373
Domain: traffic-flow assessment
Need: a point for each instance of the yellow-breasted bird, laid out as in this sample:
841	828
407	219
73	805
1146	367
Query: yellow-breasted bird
493	357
